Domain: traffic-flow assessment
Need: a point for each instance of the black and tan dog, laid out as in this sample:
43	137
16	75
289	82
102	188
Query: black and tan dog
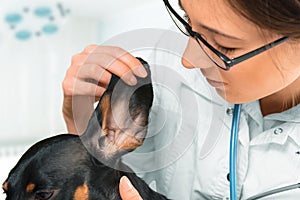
88	167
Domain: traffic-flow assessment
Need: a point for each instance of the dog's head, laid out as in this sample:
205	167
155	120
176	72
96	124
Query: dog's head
58	167
54	168
119	123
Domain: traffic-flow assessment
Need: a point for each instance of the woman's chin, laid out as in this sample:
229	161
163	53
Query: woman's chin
233	98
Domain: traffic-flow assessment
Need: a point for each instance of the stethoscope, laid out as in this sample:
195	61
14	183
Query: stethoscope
233	162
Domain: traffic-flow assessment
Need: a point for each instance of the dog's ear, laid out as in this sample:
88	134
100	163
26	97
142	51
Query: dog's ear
119	123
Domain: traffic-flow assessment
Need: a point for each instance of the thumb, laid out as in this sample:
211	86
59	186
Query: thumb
127	191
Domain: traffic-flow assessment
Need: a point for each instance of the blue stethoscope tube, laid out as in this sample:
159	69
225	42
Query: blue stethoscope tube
233	151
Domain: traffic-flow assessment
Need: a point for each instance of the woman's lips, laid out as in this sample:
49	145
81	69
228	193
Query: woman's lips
216	84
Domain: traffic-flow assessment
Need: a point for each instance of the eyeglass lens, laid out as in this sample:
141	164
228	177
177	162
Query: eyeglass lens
176	7
216	59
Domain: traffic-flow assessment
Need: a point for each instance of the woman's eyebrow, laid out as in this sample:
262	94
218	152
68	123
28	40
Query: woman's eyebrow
218	32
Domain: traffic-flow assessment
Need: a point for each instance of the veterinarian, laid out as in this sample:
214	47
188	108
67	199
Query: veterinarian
249	53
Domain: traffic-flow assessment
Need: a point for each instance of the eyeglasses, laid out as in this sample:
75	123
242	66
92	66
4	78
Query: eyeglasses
215	56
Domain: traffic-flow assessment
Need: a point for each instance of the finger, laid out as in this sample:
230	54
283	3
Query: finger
79	87
94	74
89	49
132	62
112	65
127	191
78	59
89	89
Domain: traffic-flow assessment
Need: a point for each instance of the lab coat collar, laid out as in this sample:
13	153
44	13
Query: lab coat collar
253	110
296	135
278	135
289	119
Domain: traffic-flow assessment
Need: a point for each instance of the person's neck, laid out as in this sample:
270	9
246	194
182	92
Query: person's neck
282	100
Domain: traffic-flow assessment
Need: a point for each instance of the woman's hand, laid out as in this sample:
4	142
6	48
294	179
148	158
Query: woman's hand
87	78
127	191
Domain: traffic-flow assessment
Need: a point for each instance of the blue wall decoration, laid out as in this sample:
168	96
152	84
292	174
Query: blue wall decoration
23	34
36	20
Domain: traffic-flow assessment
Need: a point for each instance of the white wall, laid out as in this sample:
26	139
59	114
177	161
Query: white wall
31	71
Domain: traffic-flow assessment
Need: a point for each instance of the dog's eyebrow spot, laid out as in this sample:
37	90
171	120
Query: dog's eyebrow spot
30	187
82	192
5	186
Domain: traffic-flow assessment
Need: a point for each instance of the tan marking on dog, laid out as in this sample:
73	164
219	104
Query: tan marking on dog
130	142
82	192
5	186
105	108
30	187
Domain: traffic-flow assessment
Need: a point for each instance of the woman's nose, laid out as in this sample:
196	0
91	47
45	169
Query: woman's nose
194	57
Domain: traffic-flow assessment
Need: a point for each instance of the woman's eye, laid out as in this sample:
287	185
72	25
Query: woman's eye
225	50
43	195
186	18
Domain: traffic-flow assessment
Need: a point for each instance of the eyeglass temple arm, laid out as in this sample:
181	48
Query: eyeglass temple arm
169	8
255	52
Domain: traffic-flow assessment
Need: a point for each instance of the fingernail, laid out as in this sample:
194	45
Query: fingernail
141	72
125	183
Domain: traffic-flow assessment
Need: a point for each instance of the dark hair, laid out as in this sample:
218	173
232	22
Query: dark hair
279	16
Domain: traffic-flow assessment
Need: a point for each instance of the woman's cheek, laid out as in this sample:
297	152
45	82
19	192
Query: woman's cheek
251	80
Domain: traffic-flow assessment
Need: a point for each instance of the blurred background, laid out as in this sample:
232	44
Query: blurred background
37	41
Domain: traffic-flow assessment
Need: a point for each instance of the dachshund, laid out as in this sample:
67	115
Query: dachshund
89	167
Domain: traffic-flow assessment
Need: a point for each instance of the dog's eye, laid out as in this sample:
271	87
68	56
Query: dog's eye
43	195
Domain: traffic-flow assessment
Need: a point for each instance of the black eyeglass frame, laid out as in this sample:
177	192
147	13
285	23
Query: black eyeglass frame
227	61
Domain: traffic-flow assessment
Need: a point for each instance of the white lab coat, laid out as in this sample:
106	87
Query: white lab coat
186	153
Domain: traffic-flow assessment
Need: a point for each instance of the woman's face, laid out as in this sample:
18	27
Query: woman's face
233	35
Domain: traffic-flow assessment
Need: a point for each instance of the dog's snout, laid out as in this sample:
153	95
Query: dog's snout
5	187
